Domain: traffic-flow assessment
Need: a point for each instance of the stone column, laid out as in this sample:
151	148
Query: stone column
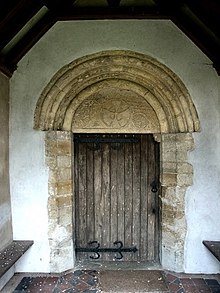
60	201
176	176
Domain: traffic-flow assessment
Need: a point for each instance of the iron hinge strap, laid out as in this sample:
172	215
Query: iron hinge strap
97	249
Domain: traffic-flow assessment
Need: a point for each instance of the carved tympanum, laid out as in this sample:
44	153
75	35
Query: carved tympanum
115	109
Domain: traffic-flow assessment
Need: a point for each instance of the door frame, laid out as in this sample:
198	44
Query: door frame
157	225
176	174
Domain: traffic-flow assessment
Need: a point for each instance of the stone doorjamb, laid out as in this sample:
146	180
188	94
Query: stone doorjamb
176	175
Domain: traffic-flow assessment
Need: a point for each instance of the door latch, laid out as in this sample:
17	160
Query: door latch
154	186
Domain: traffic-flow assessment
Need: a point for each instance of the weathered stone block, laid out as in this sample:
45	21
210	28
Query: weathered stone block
63	148
64	135
52	208
64	174
184	167
52	188
53	176
181	156
169	179
184	180
64	201
64	161
64	187
51	135
51	148
169	167
169	155
51	162
64	216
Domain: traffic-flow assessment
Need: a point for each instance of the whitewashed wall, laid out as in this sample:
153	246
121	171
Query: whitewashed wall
67	41
5	202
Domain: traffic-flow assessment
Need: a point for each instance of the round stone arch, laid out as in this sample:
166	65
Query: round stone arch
102	80
117	92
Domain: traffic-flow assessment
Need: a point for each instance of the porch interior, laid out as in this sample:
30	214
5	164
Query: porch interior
23	26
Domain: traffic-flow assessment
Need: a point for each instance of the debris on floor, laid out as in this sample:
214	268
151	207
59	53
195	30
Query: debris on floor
132	281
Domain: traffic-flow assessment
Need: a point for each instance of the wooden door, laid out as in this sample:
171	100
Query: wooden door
116	197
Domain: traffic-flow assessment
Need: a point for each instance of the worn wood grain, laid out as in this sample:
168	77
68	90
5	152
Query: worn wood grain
128	154
114	200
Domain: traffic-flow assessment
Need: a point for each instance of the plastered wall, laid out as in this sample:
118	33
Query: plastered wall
5	203
67	41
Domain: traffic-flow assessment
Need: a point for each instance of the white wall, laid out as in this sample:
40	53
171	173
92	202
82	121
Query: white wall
67	41
5	201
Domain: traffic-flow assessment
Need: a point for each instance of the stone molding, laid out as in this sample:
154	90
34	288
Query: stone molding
91	82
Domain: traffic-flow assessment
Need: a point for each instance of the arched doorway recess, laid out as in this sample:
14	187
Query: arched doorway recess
117	92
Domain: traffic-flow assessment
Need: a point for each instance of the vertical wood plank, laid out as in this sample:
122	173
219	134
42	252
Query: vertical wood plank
120	190
114	193
76	191
90	193
99	204
136	198
143	201
151	200
128	154
106	197
82	197
157	204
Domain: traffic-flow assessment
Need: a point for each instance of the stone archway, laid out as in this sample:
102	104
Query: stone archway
117	92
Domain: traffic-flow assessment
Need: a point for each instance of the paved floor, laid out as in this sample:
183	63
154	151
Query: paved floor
90	281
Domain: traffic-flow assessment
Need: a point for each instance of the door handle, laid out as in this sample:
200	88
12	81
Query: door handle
154	186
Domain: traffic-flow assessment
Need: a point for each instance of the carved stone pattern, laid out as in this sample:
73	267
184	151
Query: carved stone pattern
125	111
168	96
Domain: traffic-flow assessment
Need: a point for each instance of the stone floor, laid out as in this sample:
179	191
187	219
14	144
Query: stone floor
89	281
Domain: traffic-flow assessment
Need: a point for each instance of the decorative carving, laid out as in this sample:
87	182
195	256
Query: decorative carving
167	96
115	109
115	113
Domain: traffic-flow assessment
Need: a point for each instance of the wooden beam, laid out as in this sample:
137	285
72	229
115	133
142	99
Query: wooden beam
176	13
114	3
58	5
99	13
16	18
208	12
27	42
197	30
204	40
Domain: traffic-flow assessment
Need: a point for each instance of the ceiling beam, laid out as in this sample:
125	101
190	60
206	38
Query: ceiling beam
114	3
208	12
201	35
57	5
194	27
11	59
16	18
163	9
102	13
